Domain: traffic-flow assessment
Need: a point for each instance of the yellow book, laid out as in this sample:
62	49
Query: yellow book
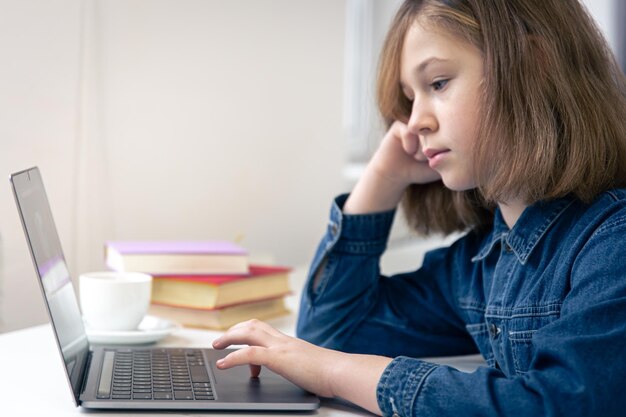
221	318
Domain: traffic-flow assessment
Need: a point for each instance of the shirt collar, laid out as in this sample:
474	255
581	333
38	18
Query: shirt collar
529	229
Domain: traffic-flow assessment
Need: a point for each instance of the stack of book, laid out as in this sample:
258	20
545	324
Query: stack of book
206	284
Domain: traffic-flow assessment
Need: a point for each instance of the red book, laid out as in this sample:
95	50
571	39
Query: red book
219	291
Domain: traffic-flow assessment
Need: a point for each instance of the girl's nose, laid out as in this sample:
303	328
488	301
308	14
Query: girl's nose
422	120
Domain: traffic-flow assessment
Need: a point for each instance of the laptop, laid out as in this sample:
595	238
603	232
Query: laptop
139	378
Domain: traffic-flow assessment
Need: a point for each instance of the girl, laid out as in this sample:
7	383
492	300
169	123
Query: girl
507	120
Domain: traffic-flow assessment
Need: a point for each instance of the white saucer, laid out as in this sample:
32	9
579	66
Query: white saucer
150	330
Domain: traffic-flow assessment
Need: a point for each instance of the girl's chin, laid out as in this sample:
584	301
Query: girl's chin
458	184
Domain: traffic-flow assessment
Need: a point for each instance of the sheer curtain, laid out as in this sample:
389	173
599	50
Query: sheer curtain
367	22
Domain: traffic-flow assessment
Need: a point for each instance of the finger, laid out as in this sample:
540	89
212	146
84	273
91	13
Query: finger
254	323
251	355
255	371
259	324
240	324
419	156
410	142
268	328
244	335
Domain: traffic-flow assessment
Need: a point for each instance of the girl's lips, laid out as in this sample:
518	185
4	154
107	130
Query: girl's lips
435	155
431	153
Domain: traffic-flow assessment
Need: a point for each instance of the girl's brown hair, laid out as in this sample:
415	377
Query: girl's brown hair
553	115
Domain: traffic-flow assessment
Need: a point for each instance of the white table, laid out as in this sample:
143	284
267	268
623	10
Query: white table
32	380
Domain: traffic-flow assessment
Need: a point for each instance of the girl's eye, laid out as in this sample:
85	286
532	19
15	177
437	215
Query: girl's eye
439	84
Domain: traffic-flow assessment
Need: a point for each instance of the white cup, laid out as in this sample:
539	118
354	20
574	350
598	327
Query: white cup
114	300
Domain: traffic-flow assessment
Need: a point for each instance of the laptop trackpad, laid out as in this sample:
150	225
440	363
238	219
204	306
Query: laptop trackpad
236	384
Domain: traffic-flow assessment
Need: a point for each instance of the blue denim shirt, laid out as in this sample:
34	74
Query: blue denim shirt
543	302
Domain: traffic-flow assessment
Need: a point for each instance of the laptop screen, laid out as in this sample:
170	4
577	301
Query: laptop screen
54	276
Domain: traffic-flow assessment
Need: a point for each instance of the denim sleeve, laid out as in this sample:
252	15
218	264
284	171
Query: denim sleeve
577	367
353	308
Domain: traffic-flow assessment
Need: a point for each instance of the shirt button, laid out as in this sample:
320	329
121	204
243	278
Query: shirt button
494	330
508	248
334	229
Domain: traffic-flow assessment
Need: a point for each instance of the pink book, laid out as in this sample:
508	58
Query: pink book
177	257
176	247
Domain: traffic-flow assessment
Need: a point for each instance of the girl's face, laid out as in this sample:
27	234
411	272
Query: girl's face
441	75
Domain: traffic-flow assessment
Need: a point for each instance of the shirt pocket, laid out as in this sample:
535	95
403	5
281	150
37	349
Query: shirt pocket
480	334
522	349
522	330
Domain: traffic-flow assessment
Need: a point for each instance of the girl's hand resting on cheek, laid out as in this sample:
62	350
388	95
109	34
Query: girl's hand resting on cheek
399	158
397	163
302	363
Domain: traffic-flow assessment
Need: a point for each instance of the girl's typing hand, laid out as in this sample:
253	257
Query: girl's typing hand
303	363
325	372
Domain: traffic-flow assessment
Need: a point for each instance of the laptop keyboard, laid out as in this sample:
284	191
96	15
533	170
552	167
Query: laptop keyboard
154	374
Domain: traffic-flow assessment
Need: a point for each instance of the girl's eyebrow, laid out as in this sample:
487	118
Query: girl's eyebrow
423	65
433	59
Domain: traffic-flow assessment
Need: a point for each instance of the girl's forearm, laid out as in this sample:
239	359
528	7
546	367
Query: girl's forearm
356	377
373	193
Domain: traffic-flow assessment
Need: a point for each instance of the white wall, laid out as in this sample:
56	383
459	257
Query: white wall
217	119
39	46
169	119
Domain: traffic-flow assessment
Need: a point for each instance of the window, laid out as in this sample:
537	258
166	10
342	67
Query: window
367	22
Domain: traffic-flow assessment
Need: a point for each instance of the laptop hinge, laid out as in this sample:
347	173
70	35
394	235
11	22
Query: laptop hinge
83	384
